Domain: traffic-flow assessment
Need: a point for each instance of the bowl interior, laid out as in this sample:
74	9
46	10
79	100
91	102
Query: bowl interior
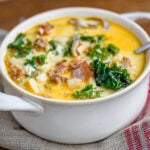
78	11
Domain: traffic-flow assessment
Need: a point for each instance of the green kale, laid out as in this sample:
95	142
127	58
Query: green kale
103	52
67	49
95	52
53	47
36	61
87	93
112	77
92	39
22	45
100	38
112	49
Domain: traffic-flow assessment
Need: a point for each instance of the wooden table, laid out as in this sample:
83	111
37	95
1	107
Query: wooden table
14	11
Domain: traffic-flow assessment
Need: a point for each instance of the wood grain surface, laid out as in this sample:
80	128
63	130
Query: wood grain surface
14	11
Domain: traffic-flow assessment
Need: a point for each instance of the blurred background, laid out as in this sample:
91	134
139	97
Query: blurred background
14	11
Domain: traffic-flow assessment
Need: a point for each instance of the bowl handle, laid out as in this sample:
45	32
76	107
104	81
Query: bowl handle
14	103
137	15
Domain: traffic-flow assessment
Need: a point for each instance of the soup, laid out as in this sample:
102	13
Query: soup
73	58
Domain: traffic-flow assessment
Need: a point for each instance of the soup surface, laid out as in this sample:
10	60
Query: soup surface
74	58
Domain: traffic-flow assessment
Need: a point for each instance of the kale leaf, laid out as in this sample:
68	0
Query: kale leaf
112	49
95	52
36	61
87	93
103	52
112	77
22	45
67	49
100	38
53	47
92	39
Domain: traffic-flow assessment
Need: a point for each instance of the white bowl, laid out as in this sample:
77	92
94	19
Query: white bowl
79	121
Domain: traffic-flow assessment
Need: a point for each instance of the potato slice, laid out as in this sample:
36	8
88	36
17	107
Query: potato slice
32	86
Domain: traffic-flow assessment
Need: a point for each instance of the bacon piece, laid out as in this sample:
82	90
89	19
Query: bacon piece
45	29
79	67
90	22
74	22
76	44
104	23
81	70
75	49
126	62
61	66
15	71
77	73
76	63
56	75
56	78
87	50
40	44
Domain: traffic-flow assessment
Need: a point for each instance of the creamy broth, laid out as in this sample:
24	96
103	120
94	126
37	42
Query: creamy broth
56	59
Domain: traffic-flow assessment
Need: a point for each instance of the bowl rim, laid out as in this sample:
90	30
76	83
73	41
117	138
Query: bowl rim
27	94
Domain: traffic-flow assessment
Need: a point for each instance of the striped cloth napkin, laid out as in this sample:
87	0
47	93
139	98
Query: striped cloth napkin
134	137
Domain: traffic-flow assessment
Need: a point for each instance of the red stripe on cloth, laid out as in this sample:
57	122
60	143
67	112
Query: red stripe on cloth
136	137
146	131
129	139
